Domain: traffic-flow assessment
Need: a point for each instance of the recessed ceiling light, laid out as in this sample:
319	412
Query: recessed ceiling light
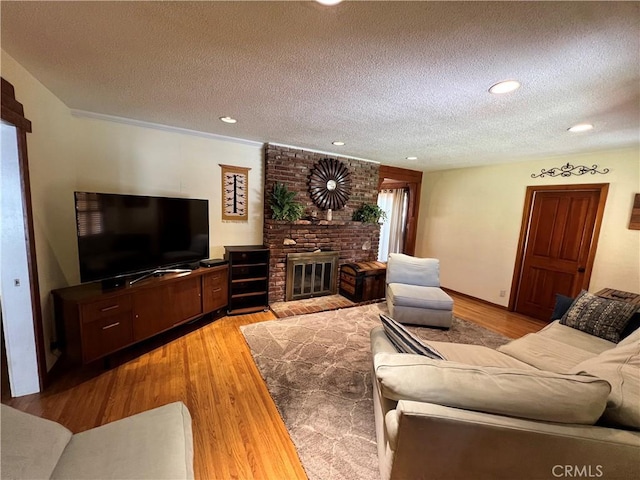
228	120
504	87
329	2
581	127
412	158
338	143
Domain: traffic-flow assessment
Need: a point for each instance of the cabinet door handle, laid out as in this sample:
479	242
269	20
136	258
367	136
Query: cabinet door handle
111	326
112	307
215	290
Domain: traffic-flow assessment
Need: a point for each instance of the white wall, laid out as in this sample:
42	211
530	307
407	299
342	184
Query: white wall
17	312
68	153
120	158
470	219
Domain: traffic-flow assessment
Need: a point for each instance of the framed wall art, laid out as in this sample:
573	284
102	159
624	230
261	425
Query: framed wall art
235	193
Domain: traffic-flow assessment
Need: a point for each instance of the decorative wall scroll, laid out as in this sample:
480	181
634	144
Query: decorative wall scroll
235	193
634	223
568	170
330	184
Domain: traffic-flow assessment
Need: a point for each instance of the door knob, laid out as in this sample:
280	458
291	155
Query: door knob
580	269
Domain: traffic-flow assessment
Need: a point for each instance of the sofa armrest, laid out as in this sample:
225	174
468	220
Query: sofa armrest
380	343
155	444
446	442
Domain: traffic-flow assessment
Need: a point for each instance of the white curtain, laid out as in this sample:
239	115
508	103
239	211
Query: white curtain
395	203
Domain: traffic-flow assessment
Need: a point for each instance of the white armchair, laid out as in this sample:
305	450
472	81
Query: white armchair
413	292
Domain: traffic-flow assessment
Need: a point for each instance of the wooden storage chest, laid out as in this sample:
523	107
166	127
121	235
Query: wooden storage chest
364	281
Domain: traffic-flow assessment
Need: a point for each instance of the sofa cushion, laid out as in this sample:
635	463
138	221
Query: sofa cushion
404	340
599	316
403	295
477	355
155	444
31	446
620	367
403	268
556	348
532	394
575	338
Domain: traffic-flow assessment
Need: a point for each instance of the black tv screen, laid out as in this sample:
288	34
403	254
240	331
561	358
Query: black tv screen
126	234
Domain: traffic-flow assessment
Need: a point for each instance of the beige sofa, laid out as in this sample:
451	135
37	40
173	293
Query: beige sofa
538	407
156	444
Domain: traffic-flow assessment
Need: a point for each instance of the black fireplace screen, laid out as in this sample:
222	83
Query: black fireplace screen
311	275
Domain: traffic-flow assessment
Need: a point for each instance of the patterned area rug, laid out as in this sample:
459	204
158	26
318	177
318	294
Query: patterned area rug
317	368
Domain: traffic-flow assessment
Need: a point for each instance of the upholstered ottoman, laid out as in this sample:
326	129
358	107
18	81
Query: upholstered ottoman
413	292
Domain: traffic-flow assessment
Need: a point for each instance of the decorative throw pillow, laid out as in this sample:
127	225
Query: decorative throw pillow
599	316
405	341
632	326
562	305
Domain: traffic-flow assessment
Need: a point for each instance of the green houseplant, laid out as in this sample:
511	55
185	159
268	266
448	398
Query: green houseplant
369	213
283	205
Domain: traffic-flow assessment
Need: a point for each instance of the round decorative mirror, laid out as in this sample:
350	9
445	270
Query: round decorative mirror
330	184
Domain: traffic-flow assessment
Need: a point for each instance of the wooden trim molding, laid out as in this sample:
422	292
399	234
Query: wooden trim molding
475	299
634	222
13	113
12	110
396	177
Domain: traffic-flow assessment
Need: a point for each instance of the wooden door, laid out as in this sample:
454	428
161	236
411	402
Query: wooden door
557	245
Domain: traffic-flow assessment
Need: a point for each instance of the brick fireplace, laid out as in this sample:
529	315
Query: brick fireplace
355	241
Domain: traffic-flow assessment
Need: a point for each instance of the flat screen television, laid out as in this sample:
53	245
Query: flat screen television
120	235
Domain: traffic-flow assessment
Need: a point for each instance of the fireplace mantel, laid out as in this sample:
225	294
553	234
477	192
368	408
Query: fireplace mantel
270	223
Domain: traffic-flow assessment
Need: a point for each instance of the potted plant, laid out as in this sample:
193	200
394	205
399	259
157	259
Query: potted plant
369	213
283	205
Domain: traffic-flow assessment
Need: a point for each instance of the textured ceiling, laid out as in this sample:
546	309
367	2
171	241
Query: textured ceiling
391	79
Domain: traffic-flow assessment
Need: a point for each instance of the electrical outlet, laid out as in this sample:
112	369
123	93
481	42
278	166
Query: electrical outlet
503	293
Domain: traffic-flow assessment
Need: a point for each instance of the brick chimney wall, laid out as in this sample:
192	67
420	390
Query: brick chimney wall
356	241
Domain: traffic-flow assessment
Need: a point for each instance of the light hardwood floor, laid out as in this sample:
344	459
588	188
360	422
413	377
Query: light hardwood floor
238	432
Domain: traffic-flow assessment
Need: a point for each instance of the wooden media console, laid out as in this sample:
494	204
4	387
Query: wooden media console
92	322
